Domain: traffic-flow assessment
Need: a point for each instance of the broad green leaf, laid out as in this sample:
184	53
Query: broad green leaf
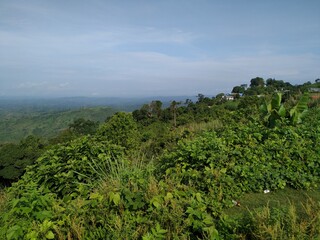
198	197
282	111
25	210
115	198
96	195
15	232
168	196
156	204
276	101
50	235
303	102
43	215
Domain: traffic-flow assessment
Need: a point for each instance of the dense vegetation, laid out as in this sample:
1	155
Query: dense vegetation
174	173
20	123
39	129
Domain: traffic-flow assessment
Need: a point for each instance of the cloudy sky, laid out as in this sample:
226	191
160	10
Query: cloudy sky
154	47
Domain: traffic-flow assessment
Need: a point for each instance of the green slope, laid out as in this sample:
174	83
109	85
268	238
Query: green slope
15	125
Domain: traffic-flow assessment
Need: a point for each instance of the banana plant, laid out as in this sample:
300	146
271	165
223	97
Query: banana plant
275	111
298	112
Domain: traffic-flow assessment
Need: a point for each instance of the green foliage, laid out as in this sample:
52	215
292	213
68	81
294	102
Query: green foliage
257	82
275	111
238	89
29	214
68	169
121	129
285	223
191	163
248	159
132	203
18	124
298	112
14	158
278	85
156	137
64	136
272	222
83	127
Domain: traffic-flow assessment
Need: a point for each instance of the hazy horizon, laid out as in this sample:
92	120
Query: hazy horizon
154	48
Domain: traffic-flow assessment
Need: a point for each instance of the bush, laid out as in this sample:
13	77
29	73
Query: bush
67	169
122	130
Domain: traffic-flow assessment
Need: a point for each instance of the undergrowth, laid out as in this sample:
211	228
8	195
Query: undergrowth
96	188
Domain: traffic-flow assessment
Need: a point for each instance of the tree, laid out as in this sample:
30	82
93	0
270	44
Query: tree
142	114
14	158
121	129
64	136
173	108
200	97
219	96
156	108
250	104
83	127
238	89
257	82
277	84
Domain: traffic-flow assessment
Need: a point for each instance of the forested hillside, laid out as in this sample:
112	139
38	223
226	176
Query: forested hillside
185	171
19	123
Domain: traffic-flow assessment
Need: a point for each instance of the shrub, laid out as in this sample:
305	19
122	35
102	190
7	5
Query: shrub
122	130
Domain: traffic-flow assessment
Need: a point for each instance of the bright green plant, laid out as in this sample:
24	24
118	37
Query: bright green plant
121	129
28	213
247	158
298	112
274	111
68	169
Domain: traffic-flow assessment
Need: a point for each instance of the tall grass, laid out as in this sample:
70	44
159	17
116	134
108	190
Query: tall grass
203	126
286	222
3	200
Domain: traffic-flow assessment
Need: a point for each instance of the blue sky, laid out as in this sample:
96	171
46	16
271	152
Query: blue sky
154	48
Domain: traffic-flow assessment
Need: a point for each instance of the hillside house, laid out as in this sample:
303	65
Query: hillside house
229	97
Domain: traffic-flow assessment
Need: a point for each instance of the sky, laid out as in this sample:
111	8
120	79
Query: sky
101	48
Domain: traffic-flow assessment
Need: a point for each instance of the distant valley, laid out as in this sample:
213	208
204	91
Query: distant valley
46	117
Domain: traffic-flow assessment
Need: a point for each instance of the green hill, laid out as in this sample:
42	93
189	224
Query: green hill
18	124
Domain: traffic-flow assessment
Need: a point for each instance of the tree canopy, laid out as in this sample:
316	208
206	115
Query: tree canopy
257	82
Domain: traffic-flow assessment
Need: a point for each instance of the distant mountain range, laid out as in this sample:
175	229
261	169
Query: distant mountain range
124	104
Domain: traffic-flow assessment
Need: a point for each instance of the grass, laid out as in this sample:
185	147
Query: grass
283	214
202	126
3	200
278	198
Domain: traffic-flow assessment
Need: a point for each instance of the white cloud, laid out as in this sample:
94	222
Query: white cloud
31	85
77	48
150	73
62	85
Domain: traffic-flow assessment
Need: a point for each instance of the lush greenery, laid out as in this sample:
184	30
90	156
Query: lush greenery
15	157
16	124
181	172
